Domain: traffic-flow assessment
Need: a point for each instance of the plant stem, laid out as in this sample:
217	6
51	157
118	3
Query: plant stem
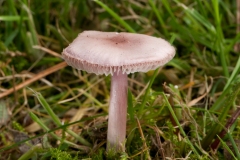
117	113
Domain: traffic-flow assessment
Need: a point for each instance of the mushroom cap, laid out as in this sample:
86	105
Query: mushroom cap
108	52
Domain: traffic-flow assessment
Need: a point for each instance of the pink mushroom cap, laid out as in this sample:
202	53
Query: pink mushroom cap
108	52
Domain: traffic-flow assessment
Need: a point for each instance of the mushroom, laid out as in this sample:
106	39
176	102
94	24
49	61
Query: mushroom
117	54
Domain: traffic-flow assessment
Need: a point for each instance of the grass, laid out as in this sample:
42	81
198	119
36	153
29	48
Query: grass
67	109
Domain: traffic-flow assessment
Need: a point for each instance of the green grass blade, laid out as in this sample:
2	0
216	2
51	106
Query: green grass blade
32	28
145	98
235	72
223	56
227	148
11	37
236	150
160	20
114	15
79	138
12	18
180	65
46	106
180	127
43	126
11	6
225	103
168	7
201	8
195	15
230	92
56	120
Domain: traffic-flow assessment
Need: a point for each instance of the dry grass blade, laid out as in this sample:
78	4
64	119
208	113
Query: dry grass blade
37	77
144	140
196	100
48	51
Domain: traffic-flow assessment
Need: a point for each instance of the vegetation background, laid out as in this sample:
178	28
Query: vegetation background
51	111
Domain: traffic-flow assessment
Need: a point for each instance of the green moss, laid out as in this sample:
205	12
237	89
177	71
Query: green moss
57	154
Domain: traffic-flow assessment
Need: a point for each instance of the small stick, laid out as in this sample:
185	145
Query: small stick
35	78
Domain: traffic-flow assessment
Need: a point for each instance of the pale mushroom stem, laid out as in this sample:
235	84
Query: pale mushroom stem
117	113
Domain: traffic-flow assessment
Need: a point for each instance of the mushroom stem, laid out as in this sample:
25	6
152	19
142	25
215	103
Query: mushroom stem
117	113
